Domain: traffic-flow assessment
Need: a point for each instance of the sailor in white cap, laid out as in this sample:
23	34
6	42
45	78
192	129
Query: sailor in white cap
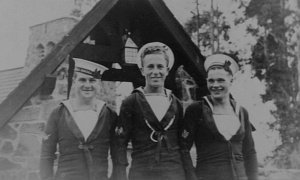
220	127
82	127
150	118
155	46
223	61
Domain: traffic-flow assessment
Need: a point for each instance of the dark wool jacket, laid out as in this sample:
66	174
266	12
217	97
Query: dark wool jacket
218	158
78	159
156	153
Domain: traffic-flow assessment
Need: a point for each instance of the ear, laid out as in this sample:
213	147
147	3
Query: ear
168	70
142	71
231	81
230	78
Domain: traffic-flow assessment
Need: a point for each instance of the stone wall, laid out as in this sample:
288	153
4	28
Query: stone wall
21	142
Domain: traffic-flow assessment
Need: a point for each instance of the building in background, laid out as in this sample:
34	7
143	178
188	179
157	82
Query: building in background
20	139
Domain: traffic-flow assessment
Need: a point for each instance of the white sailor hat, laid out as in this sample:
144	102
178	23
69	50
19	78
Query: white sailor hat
221	60
154	46
89	68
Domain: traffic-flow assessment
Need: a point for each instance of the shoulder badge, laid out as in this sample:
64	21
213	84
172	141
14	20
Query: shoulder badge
119	130
45	136
185	134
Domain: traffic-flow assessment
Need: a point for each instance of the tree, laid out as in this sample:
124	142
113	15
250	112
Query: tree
219	22
210	29
275	62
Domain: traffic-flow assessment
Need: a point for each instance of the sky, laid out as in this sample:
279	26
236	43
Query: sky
16	16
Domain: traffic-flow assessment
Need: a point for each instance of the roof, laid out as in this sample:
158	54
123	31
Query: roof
57	19
9	80
148	20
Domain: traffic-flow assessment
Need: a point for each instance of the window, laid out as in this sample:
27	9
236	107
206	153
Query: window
50	46
40	51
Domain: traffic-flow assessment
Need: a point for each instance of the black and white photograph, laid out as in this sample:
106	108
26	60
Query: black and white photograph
149	89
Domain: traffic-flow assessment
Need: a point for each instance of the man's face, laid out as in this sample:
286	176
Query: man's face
155	70
85	86
218	83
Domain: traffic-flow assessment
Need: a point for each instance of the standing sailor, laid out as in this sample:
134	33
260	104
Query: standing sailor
80	129
150	117
220	128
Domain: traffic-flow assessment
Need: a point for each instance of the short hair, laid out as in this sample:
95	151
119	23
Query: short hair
155	50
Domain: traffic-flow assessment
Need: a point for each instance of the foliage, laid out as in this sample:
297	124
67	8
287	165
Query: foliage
221	28
213	27
275	62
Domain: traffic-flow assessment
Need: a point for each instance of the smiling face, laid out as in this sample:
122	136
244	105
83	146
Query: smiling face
86	87
218	82
155	71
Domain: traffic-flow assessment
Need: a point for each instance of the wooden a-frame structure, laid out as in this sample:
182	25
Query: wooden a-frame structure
107	24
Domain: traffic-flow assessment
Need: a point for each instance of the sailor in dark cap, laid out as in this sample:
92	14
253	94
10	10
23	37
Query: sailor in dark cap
80	130
220	128
150	118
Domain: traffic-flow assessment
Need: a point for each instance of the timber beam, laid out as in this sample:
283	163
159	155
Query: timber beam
98	53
